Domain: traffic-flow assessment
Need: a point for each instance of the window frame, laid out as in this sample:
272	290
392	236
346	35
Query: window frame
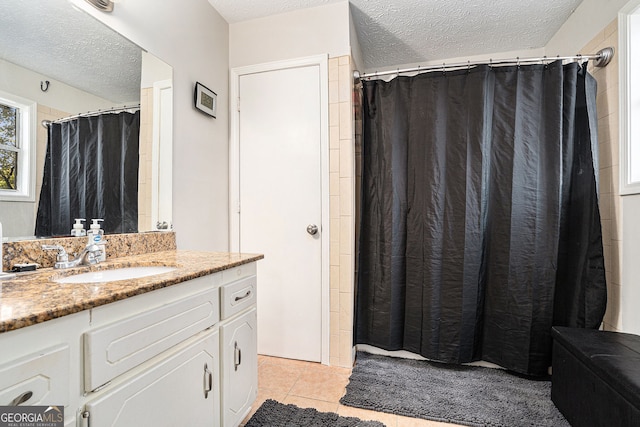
26	148
629	46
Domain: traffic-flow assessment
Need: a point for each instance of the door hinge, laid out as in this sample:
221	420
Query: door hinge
85	419
238	104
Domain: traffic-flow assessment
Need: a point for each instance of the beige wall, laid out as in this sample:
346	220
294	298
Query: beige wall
589	19
26	83
306	32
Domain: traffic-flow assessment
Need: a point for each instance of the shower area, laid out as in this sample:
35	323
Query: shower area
477	208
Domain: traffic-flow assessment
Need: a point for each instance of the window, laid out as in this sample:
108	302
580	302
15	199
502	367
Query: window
9	138
629	30
17	148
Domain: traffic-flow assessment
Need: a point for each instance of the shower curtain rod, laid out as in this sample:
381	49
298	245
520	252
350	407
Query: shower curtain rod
46	123
601	58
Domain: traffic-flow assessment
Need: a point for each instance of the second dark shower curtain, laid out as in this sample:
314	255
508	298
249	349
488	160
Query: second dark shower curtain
480	226
91	171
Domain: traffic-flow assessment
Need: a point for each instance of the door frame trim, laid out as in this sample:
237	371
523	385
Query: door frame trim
322	62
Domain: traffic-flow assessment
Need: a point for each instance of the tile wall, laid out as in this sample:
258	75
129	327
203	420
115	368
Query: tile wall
608	138
341	207
44	113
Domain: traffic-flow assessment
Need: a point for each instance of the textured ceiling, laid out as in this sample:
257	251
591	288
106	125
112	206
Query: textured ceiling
54	39
394	32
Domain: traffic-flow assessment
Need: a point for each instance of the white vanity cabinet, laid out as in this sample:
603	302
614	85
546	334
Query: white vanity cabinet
180	355
153	359
238	344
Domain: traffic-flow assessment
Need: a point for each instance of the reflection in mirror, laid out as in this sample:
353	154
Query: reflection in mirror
61	62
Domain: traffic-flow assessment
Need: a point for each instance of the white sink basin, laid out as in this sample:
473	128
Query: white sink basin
115	274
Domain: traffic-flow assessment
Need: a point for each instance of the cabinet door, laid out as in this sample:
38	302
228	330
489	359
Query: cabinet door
179	390
40	378
239	367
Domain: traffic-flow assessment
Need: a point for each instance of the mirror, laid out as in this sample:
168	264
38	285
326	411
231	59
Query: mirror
65	62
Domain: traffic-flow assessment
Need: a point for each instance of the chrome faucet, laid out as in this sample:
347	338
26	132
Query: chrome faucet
90	255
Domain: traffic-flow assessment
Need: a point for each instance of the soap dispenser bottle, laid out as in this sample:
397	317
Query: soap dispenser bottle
96	237
78	228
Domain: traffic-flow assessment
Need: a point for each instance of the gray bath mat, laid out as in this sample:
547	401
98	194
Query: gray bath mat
275	414
466	395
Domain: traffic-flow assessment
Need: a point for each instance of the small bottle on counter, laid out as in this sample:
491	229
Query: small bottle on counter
96	236
78	228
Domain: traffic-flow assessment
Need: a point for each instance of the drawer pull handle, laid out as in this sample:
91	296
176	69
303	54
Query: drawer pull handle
208	381
237	355
22	398
243	296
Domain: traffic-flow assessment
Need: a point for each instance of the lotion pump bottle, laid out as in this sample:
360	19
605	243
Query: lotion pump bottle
96	236
78	228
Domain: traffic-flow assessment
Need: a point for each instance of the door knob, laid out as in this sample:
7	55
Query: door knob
312	229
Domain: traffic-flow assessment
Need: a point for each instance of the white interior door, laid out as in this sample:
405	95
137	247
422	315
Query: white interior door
280	198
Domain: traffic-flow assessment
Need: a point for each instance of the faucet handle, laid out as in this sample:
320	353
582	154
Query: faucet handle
62	254
93	252
93	258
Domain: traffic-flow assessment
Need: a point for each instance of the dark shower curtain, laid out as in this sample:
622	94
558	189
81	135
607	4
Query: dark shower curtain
91	171
480	226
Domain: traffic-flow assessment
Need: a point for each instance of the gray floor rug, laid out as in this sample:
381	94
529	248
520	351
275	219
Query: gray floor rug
275	414
465	395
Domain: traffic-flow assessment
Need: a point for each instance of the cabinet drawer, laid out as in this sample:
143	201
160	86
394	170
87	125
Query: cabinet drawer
40	378
239	272
237	296
115	348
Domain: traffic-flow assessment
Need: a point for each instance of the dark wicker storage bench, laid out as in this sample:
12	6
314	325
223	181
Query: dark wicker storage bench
596	377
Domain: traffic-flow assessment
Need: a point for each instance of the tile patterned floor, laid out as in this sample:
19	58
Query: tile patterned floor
312	385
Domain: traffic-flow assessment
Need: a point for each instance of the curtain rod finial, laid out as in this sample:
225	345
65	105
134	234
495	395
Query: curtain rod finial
356	75
604	56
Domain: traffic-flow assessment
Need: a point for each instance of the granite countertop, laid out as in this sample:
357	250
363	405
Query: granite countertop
34	297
